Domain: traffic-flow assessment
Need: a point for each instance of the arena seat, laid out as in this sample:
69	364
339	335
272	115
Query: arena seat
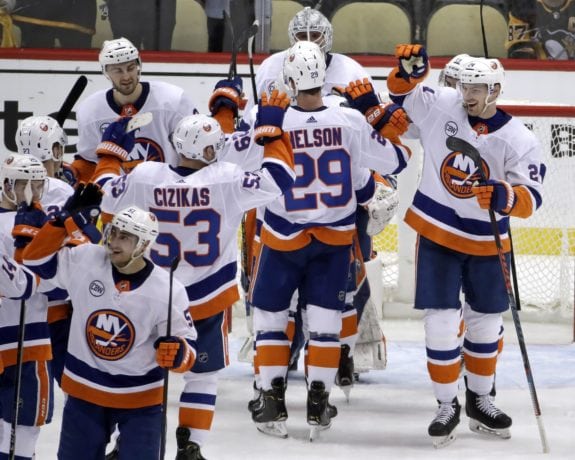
370	27
191	31
455	27
282	13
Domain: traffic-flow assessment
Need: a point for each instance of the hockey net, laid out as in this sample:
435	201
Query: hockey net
544	244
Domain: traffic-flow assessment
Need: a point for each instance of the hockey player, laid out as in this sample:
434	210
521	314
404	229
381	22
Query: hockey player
22	178
311	25
199	206
306	238
113	375
43	138
454	230
449	75
121	64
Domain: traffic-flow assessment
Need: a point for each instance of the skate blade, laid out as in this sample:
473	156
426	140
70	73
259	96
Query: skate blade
277	429
478	427
439	442
315	430
346	391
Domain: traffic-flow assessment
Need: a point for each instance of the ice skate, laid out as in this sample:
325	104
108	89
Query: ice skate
187	450
319	410
344	377
442	427
252	403
484	417
269	411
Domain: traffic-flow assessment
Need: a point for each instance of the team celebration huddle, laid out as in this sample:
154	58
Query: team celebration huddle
121	267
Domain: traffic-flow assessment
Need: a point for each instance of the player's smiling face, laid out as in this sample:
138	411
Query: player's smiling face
121	246
125	77
475	100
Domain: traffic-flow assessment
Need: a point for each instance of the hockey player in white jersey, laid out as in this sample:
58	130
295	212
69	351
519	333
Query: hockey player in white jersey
454	228
199	206
168	104
22	178
118	346
306	238
311	25
43	138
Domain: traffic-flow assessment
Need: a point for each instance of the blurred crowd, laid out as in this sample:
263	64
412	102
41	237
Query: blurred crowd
537	29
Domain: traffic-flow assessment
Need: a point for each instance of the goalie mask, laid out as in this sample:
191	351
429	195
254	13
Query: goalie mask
22	168
137	222
303	68
196	132
309	24
37	137
118	51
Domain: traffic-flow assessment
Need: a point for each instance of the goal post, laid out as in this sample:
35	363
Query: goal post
544	244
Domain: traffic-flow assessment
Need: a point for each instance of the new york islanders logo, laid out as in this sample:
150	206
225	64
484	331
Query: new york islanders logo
458	173
110	334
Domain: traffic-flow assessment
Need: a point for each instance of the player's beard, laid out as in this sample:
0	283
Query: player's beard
126	88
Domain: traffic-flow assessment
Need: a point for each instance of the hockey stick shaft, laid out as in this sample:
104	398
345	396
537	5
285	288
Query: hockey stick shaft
71	99
251	43
173	267
18	383
460	145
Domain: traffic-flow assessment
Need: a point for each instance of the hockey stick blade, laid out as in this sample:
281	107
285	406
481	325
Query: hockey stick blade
251	38
139	121
457	144
71	99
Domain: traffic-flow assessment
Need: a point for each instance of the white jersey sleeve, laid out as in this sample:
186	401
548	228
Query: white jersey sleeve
16	281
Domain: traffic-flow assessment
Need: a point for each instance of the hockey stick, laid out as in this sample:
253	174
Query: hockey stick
485	52
251	44
173	267
18	383
460	145
71	99
251	31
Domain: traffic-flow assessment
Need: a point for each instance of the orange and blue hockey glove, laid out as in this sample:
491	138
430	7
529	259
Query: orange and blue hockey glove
174	353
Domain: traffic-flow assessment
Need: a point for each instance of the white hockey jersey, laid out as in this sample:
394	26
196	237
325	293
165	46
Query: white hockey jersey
168	105
16	281
199	215
56	192
340	71
333	149
37	337
446	211
111	356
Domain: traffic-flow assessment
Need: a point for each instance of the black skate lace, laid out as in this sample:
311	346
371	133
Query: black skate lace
445	412
486	406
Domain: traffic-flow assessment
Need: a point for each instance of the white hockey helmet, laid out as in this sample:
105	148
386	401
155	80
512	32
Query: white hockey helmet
455	65
21	167
304	64
37	135
310	20
137	222
118	51
196	132
483	71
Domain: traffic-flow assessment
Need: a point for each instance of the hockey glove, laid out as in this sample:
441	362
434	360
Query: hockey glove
497	195
80	214
116	141
381	208
360	95
174	353
413	62
391	123
227	93
270	117
27	222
